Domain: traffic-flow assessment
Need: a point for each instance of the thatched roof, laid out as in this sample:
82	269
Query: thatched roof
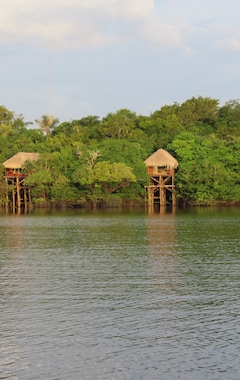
162	158
18	161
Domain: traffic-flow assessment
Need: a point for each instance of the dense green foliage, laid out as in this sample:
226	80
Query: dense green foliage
101	162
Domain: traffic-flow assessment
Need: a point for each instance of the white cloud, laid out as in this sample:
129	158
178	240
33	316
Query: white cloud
189	51
229	43
128	9
79	24
161	34
82	23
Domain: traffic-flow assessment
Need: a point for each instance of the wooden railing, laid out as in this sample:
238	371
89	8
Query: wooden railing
11	174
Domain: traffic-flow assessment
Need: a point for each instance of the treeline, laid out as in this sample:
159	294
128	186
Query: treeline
96	162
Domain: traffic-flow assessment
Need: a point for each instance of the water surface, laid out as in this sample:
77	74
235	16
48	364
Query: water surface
114	295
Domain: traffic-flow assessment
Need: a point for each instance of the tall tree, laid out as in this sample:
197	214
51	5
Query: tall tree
47	123
119	125
198	110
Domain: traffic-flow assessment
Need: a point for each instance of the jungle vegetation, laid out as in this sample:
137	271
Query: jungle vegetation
97	162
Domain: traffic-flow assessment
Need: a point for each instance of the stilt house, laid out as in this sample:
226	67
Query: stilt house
17	193
161	167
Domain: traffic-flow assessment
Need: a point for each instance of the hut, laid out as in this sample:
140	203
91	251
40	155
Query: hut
161	168
16	192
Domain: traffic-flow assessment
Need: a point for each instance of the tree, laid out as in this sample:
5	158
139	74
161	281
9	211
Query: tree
229	120
103	179
168	125
119	125
62	190
127	152
6	116
40	178
83	129
198	110
47	123
208	172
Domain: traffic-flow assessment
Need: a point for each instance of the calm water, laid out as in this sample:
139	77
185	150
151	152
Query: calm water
120	295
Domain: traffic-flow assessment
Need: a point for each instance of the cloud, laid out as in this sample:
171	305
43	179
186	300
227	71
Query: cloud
83	23
232	43
127	9
164	35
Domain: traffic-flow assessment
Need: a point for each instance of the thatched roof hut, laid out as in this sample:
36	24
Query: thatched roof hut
19	159
161	158
161	168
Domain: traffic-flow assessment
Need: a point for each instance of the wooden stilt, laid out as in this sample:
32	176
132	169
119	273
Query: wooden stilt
29	197
25	196
13	198
18	193
6	191
161	189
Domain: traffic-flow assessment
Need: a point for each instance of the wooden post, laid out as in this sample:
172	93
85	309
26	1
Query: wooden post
29	197
162	192
25	196
150	196
7	196
174	200
18	193
13	196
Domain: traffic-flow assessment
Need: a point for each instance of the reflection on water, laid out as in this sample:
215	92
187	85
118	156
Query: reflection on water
162	249
120	295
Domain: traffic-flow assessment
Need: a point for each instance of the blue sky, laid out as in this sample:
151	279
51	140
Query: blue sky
73	58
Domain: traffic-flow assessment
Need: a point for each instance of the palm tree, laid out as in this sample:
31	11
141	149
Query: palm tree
47	123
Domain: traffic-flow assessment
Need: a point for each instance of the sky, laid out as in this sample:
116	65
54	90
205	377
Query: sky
74	58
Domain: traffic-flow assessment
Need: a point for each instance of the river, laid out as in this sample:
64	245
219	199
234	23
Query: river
120	295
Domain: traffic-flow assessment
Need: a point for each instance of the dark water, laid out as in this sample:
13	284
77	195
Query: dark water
120	295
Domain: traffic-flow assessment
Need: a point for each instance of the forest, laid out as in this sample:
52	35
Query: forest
93	162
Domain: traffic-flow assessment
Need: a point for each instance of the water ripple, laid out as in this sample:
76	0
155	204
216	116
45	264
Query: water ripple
119	297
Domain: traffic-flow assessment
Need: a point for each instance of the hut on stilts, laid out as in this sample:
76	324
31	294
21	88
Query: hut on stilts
161	168
17	193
